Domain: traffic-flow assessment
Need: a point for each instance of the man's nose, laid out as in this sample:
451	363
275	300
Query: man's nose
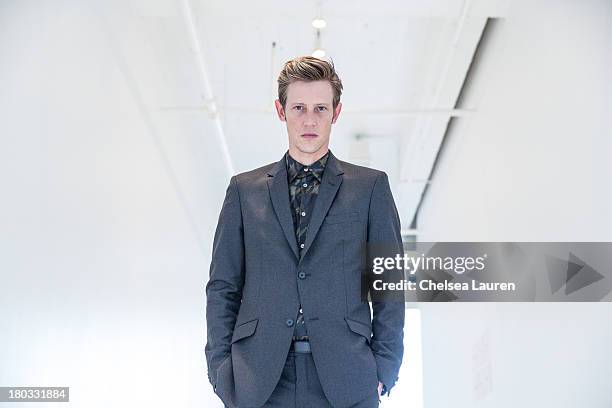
310	120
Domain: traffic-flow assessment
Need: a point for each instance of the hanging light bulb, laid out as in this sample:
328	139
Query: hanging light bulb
318	53
319	23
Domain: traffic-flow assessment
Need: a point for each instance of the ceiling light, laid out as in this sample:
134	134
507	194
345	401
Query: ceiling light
318	53
319	23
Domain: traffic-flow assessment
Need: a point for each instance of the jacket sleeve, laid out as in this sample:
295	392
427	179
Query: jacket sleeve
226	280
387	316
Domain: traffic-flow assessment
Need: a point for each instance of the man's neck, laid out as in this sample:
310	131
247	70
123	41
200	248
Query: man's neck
307	158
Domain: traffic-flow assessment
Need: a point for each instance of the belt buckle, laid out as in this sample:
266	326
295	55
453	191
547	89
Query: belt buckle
300	338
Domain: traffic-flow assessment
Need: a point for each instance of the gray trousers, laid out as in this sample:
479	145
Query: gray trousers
299	386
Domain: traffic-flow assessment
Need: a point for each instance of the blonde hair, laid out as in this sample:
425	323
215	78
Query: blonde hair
308	69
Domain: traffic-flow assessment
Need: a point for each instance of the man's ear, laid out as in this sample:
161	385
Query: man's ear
280	111
337	112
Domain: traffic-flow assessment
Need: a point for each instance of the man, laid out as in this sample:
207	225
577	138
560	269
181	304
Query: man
286	323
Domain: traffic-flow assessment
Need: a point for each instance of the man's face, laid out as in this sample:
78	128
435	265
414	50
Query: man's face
309	115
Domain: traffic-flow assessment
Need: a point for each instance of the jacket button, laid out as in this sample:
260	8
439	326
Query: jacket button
289	322
302	275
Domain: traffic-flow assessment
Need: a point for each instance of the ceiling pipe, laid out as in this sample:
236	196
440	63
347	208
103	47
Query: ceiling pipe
209	100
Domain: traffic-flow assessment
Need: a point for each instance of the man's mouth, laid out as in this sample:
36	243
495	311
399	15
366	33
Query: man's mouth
309	135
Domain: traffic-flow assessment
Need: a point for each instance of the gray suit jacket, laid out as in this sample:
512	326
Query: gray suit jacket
256	274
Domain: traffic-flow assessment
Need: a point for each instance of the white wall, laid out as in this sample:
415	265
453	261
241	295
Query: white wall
532	164
105	228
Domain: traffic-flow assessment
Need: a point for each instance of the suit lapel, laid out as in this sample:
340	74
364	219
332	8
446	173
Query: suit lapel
279	194
332	178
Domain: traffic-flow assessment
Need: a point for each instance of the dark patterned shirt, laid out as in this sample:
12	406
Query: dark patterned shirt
304	182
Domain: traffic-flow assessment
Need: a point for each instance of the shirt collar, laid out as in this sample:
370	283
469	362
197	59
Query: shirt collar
295	168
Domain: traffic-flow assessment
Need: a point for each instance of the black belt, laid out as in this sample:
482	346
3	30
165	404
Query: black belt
300	346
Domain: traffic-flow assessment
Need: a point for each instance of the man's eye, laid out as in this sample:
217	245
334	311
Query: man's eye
298	107
322	108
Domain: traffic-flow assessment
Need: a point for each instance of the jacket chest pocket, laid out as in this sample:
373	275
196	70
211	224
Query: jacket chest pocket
341	217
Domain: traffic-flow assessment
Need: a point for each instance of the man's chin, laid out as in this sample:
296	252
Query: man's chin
308	151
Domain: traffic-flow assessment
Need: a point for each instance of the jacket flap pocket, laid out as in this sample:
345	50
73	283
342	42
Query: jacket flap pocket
360	328
244	330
